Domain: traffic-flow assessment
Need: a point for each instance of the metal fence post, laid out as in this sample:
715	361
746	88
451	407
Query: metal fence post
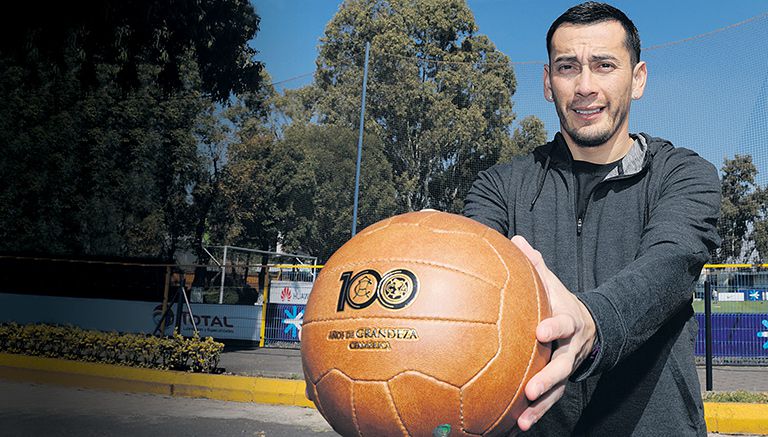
708	331
165	298
223	273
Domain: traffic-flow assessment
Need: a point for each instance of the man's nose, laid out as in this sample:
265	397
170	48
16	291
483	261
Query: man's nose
585	84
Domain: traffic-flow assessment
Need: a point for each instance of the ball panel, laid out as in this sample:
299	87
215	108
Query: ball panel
401	242
524	305
440	349
334	401
375	411
409	218
424	403
441	294
446	222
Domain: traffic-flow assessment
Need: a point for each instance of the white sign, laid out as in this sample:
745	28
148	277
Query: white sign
730	297
289	292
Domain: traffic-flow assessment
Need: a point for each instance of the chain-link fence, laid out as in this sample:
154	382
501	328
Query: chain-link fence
738	314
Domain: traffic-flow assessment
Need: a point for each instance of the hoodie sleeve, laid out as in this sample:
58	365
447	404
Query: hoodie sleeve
488	199
680	233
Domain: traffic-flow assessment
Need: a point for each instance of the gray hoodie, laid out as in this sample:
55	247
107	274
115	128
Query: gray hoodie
648	229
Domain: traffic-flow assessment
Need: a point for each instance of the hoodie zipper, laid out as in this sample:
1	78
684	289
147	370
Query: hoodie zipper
580	267
580	255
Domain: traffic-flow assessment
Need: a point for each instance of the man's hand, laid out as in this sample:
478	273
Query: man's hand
572	330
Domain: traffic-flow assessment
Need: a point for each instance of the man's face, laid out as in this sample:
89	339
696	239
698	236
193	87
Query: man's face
591	80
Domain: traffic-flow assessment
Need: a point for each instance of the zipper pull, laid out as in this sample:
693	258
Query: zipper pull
579	223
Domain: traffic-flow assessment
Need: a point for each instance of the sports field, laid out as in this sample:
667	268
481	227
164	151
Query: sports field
733	307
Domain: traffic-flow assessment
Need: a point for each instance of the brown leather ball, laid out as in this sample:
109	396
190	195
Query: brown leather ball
421	320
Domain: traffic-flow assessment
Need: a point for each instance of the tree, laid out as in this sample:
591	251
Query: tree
439	95
97	170
103	109
760	231
740	204
131	33
331	153
266	192
529	135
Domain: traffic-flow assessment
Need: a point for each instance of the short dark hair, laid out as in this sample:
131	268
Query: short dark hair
594	12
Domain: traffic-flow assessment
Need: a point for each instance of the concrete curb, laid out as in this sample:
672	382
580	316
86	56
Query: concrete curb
164	382
733	418
736	418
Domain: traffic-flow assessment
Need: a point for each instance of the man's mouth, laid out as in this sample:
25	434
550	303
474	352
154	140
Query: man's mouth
588	111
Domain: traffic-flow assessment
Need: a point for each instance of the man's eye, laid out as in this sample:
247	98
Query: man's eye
606	66
565	67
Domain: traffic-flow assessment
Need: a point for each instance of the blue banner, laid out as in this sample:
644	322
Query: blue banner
284	322
735	335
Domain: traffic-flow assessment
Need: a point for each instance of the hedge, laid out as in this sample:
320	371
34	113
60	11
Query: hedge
138	350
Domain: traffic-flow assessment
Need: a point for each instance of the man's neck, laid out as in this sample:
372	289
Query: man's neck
610	151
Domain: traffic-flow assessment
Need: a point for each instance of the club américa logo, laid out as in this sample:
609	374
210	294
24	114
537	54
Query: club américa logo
395	290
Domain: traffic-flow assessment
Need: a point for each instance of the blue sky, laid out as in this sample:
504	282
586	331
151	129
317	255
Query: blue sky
290	29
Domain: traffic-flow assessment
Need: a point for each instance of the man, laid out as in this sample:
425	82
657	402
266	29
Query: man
621	225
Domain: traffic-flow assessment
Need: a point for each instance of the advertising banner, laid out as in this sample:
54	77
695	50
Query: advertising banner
284	322
753	295
730	297
735	335
289	292
238	322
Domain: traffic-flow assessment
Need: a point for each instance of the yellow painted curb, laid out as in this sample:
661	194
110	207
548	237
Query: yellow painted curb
736	418
165	382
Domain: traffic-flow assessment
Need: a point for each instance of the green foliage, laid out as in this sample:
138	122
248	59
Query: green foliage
268	190
741	203
98	170
129	34
331	152
760	224
108	119
529	135
439	95
750	397
67	342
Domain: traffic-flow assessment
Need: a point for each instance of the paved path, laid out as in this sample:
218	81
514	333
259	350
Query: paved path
732	378
286	363
40	410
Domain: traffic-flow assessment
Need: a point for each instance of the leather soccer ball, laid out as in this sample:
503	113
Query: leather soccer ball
423	320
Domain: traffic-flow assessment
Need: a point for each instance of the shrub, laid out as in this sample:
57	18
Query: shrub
736	396
138	350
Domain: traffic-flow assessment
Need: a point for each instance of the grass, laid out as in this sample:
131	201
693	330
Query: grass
733	307
750	397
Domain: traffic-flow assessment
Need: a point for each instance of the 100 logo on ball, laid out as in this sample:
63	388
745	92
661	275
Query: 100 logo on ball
395	290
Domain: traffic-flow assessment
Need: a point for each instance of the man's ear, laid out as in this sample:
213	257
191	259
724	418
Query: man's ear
547	85
639	78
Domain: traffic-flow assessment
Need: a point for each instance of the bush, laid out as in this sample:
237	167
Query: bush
749	397
137	350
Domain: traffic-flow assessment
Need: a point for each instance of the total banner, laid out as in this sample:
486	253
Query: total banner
236	322
289	292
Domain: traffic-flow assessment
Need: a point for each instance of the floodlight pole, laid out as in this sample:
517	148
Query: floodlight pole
708	333
360	141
